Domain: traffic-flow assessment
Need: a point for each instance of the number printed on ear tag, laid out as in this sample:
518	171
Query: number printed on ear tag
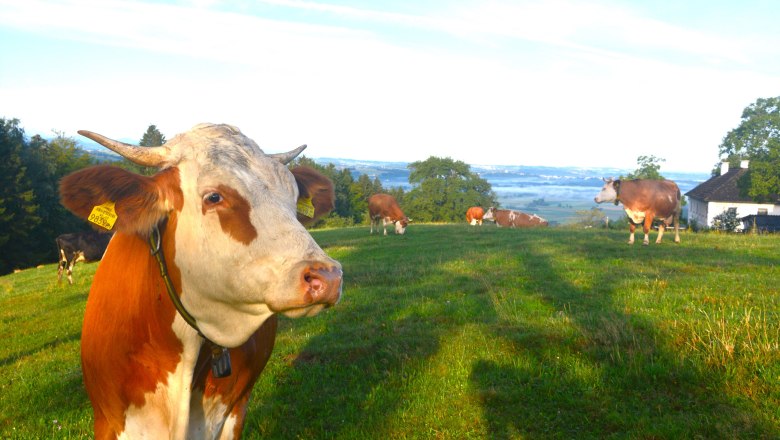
103	215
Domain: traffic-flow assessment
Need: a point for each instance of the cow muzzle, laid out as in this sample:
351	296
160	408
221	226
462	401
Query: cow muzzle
322	285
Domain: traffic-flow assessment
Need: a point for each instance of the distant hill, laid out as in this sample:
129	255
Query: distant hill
555	193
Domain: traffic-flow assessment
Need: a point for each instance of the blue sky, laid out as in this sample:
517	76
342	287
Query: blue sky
560	83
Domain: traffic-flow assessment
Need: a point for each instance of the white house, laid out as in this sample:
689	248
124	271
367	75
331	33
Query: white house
721	193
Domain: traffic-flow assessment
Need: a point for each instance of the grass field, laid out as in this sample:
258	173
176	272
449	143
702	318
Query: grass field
454	332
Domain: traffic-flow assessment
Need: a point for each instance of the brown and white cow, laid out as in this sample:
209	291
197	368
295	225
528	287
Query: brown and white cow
221	214
513	219
384	207
474	215
644	201
73	247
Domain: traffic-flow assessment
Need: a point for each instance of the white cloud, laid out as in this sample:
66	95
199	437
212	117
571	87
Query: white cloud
596	85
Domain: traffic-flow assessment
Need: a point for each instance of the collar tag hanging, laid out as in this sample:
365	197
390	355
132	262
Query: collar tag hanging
220	361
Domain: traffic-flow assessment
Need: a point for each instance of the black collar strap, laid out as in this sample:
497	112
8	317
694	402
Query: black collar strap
155	239
220	356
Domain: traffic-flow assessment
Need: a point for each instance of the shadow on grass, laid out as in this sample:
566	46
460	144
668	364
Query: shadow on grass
601	372
611	377
43	347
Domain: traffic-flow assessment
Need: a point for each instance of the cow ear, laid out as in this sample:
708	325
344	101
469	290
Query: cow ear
316	196
125	201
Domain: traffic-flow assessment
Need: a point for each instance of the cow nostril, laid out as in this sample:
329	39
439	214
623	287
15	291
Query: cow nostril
322	285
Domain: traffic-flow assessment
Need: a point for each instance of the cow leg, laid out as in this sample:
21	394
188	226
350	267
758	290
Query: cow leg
631	230
70	270
661	228
384	226
372	225
61	266
677	227
646	228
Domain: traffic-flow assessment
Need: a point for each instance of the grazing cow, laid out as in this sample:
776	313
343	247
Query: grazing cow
174	339
474	215
384	207
513	219
79	246
644	201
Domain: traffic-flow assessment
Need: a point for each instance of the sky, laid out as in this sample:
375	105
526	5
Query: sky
524	82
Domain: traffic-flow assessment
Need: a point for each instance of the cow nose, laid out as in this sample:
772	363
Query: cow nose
323	285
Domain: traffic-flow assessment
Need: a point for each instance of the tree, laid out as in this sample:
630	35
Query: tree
444	189
360	191
47	162
648	168
757	138
17	199
726	221
152	137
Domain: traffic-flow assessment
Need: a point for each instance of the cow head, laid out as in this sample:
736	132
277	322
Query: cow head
609	192
490	214
400	225
239	248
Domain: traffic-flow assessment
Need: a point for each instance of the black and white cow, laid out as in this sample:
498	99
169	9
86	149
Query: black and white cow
80	246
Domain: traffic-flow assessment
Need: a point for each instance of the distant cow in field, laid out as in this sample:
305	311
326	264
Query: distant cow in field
644	201
79	246
513	219
474	215
384	207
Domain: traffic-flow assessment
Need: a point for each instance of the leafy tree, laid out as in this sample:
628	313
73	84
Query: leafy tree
757	138
648	167
726	221
592	217
444	189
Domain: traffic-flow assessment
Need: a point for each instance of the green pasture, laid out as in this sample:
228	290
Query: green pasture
458	332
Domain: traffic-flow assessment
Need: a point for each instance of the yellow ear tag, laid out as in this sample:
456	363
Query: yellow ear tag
103	215
305	207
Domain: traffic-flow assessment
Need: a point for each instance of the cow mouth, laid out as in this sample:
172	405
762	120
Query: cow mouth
306	311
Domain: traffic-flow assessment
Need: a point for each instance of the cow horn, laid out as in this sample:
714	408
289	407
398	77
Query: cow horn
146	156
287	157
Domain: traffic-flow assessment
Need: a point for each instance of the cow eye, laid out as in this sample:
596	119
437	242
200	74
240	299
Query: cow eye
212	198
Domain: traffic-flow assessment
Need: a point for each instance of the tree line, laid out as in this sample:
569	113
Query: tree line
31	216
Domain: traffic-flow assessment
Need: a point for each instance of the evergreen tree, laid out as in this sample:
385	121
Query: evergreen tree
18	208
152	137
360	191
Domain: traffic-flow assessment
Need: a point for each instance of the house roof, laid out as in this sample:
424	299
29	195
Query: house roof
721	188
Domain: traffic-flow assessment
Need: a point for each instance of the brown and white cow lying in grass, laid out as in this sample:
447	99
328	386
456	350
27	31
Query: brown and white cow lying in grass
513	219
181	316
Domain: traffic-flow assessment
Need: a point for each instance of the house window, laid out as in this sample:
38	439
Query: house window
763	211
733	211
